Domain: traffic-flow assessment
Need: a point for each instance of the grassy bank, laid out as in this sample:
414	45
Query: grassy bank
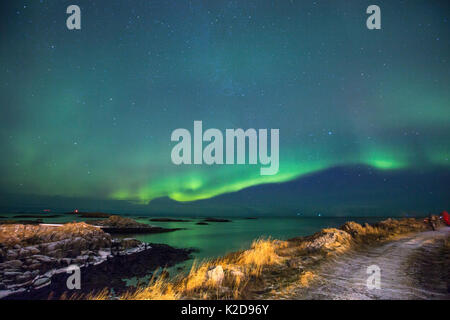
270	267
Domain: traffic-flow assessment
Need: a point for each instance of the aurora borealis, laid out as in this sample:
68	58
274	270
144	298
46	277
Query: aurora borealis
89	113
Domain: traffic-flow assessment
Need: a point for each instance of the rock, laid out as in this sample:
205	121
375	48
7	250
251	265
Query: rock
237	274
28	251
12	254
40	282
11	264
43	259
24	277
215	275
81	259
128	243
8	281
52	246
353	228
79	244
58	253
34	266
329	240
9	274
12	270
23	253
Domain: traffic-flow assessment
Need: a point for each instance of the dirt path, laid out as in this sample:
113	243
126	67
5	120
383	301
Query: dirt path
408	271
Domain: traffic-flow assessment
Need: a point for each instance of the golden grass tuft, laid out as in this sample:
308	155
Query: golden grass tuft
157	289
306	278
102	295
263	253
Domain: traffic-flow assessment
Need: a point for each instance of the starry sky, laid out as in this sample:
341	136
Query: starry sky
89	113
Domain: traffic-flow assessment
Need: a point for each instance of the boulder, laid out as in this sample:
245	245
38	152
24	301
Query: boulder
12	274
353	228
34	267
30	250
237	274
43	259
128	243
80	260
24	277
52	246
66	261
11	264
40	282
58	253
79	244
329	240
12	254
215	275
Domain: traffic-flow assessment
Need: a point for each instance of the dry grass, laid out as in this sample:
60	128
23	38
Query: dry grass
238	269
305	278
262	253
102	295
157	289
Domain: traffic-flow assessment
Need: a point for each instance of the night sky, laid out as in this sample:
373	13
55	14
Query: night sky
88	114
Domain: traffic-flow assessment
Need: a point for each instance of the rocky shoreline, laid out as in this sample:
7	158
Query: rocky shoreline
34	259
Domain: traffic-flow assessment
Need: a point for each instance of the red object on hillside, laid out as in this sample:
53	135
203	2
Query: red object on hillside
446	217
75	211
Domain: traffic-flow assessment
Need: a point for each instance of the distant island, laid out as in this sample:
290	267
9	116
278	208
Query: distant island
121	225
168	220
216	220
